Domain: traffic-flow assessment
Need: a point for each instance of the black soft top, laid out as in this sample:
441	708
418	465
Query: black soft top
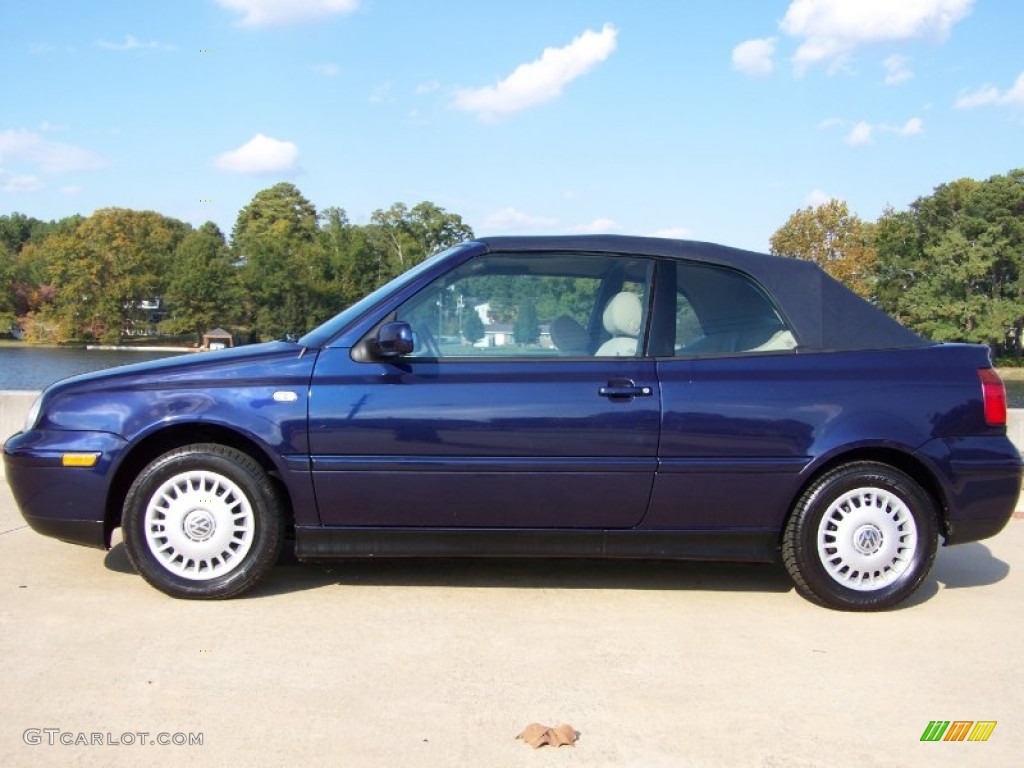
822	313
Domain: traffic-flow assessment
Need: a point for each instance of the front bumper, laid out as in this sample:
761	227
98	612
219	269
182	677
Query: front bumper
68	503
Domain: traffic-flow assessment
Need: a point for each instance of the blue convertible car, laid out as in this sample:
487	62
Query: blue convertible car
565	396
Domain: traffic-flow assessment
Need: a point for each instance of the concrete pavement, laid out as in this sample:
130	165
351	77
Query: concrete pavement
441	663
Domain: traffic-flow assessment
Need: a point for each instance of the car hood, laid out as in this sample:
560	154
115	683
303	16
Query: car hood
187	369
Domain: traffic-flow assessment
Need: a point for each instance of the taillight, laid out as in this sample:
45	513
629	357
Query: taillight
993	395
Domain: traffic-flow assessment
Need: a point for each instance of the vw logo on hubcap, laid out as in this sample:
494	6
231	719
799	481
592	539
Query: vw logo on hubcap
199	525
867	539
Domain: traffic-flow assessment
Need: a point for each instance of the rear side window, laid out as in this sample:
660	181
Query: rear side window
723	312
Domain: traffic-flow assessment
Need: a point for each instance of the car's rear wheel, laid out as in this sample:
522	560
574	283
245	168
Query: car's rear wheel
863	537
202	521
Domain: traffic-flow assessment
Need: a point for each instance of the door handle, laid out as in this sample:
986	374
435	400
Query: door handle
624	389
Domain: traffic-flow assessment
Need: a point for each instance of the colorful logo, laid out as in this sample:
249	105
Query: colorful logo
958	730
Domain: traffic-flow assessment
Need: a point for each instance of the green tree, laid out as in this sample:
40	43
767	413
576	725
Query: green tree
951	267
472	327
404	237
202	287
838	241
900	263
351	258
526	327
284	271
16	230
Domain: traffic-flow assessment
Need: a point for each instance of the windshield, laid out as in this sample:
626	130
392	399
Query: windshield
328	330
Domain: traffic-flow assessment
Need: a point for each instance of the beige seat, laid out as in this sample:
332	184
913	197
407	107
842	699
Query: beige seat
621	319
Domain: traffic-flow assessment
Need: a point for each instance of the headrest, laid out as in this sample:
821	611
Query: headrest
622	315
568	336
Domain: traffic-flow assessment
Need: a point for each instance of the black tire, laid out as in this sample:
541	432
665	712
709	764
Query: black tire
863	537
202	522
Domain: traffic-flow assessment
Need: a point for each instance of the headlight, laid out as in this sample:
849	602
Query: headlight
33	412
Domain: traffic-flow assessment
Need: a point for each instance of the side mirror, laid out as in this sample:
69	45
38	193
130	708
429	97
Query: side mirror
394	340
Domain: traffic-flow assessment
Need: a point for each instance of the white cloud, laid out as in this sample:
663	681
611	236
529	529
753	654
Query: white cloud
673	233
816	198
984	96
755	57
382	93
261	154
863	133
327	70
513	220
1016	93
20	183
541	80
989	95
47	156
896	70
832	29
597	226
267	13
428	87
912	127
132	44
860	135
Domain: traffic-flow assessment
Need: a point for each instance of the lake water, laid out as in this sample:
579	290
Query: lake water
37	367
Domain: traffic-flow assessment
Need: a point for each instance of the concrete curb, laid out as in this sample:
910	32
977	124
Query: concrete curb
14	405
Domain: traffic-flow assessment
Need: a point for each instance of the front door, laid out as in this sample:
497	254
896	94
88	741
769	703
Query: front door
528	403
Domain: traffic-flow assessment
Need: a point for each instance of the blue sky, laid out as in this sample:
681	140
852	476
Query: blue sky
712	119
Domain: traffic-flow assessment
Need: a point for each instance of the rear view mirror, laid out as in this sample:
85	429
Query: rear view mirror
394	340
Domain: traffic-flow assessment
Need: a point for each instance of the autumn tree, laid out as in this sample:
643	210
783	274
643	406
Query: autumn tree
106	269
23	277
8	314
838	241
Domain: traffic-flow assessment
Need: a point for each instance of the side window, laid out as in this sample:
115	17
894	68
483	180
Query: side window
533	305
722	312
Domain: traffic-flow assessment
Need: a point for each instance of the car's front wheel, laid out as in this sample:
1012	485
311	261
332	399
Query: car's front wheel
202	521
862	537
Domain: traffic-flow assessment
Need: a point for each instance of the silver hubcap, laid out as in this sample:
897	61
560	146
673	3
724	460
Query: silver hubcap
867	539
199	525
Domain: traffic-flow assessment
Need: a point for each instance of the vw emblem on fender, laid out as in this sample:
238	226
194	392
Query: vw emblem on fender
867	539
